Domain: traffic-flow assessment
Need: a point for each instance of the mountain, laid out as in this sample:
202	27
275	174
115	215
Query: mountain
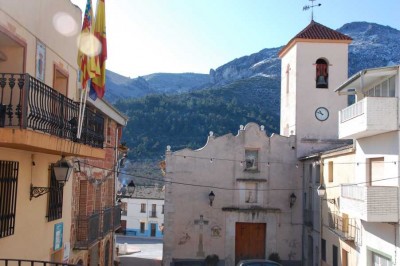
373	45
246	89
184	120
264	63
120	87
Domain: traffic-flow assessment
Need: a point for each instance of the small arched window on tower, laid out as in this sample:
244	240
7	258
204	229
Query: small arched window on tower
321	79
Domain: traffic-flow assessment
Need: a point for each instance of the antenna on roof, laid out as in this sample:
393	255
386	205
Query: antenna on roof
307	7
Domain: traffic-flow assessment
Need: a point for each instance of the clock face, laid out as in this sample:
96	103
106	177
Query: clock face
321	113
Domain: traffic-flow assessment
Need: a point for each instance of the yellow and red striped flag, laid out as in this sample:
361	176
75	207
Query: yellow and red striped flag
88	66
98	84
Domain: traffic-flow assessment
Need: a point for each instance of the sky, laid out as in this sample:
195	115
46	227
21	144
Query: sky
179	36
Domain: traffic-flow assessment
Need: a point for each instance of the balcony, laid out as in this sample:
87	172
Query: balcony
18	262
370	116
371	204
91	228
87	230
345	228
117	217
152	214
34	116
107	221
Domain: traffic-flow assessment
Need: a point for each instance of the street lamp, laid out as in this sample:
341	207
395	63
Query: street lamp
211	197
131	188
62	170
321	190
292	200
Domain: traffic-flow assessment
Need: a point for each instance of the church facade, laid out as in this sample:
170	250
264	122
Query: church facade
256	181
256	208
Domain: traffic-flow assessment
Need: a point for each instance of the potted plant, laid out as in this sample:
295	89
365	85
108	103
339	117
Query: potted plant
212	260
274	256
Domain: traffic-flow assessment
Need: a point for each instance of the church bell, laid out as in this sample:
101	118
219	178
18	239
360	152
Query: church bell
321	82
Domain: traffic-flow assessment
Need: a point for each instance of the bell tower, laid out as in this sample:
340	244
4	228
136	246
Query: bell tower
314	63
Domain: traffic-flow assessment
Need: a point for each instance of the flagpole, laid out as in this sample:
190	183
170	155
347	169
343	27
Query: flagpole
82	108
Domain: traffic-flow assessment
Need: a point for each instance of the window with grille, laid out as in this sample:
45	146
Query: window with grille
8	196
143	207
55	203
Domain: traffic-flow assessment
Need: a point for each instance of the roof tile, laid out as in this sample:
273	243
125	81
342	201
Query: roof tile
318	31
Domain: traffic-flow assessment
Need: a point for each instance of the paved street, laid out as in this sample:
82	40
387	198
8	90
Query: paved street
147	252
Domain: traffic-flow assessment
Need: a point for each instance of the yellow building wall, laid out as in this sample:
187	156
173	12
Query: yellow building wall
33	235
39	20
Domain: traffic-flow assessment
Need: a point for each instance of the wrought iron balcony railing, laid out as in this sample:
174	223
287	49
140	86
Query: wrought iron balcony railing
87	230
107	220
117	217
153	214
18	262
26	102
345	227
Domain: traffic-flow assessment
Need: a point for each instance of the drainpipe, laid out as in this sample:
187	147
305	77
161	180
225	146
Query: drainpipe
115	169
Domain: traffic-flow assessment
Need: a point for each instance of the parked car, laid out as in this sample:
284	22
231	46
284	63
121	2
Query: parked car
258	262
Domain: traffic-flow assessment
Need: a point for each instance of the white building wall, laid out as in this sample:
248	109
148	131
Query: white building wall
379	199
288	93
134	216
383	145
299	105
225	176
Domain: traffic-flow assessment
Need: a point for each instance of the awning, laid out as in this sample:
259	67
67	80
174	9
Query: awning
365	78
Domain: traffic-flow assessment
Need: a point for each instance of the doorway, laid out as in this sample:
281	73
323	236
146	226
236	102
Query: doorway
153	229
250	241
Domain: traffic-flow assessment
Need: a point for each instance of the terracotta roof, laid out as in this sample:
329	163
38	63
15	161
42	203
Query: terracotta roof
316	31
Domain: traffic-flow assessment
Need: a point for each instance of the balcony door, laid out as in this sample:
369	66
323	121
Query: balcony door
12	52
60	80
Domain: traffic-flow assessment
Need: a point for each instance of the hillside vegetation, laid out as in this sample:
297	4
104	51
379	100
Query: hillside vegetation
184	120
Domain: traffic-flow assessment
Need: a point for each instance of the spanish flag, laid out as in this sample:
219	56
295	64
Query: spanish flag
88	66
98	84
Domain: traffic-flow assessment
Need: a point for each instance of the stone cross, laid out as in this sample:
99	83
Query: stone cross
200	222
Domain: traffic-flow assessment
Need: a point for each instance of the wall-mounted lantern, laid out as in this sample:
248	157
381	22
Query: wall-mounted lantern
292	199
62	170
211	197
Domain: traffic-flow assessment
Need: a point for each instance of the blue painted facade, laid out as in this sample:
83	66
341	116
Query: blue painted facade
146	233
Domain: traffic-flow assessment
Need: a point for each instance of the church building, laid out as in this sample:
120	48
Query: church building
242	196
